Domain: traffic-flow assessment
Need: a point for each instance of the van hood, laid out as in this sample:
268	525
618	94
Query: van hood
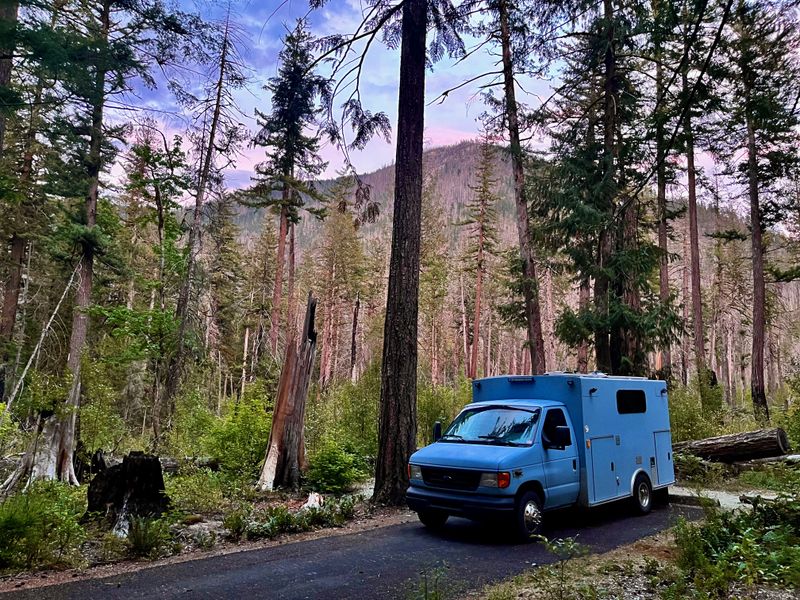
469	456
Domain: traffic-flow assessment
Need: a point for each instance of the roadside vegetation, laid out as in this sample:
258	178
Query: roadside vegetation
751	553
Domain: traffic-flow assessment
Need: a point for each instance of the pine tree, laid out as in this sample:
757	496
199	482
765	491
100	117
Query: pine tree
285	178
761	117
480	220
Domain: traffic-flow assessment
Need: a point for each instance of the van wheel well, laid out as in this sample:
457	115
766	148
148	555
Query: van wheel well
531	486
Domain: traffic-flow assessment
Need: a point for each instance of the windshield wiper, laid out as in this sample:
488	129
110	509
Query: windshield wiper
499	440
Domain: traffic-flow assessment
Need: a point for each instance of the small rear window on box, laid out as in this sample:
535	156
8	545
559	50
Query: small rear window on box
631	402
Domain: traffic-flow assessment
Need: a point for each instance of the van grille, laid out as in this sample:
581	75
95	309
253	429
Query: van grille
451	479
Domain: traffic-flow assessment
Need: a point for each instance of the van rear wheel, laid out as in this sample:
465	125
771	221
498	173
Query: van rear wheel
433	519
528	516
642	494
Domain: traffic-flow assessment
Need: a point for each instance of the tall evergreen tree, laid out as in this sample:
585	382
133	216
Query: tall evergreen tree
762	117
292	162
480	220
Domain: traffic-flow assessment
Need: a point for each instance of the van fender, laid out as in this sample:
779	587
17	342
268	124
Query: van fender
633	479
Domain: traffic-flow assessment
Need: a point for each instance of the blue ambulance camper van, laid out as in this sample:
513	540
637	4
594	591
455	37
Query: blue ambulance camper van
529	444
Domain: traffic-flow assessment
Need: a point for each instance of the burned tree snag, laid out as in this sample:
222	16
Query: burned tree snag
285	450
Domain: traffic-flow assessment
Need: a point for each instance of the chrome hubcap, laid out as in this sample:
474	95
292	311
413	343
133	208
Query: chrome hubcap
644	496
532	515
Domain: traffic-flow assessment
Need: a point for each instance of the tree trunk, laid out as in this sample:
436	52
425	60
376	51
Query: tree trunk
760	407
290	303
530	286
285	455
397	431
583	305
10	303
353	339
665	356
175	370
694	243
464	328
50	455
738	446
277	290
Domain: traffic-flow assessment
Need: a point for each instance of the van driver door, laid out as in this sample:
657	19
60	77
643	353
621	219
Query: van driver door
560	463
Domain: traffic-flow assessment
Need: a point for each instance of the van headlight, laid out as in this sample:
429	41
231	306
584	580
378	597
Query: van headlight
414	472
496	480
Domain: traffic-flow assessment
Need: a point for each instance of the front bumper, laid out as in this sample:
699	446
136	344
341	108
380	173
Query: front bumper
471	506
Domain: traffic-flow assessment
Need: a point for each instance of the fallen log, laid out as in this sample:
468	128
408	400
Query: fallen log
738	447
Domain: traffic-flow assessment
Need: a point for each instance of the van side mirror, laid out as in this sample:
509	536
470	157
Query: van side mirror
560	438
437	431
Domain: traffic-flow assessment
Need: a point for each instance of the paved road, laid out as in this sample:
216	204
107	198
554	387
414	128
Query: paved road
382	563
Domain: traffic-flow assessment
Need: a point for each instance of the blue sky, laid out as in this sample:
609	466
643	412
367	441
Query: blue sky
263	23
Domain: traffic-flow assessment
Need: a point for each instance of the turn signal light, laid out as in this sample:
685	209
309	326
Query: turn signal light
503	479
498	480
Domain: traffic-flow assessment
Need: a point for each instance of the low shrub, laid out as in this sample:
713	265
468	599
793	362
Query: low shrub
744	548
196	491
439	403
693	469
235	521
239	439
276	520
779	478
332	469
40	527
149	538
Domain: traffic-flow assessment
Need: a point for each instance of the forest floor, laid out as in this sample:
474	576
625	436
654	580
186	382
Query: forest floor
644	569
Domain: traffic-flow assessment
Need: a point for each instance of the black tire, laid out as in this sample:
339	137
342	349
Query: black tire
642	494
433	519
528	516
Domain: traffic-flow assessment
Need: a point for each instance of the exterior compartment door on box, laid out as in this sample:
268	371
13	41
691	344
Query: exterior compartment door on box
664	463
604	467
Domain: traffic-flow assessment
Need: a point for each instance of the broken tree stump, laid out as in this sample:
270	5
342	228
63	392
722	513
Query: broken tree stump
286	448
132	488
738	447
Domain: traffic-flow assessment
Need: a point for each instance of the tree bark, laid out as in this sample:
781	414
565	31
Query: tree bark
738	446
277	290
583	305
353	339
285	454
757	389
530	284
397	431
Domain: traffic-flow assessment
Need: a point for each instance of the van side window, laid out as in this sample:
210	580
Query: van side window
555	418
631	402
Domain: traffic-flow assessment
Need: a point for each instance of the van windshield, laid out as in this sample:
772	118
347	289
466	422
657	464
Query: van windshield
494	425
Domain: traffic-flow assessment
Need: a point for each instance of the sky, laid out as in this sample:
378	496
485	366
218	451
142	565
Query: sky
263	24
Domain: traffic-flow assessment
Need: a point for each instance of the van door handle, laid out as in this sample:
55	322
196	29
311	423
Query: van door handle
612	466
574	465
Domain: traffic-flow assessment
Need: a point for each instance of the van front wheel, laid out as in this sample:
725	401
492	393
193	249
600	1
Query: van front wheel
528	517
642	494
432	519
